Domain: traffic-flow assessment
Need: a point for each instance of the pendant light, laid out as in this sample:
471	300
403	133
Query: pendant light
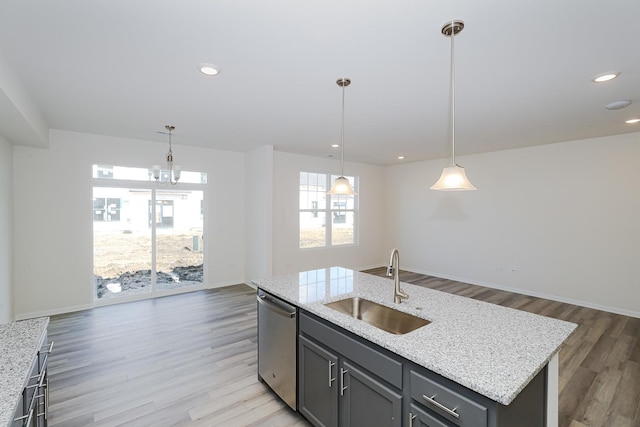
341	185
174	171
453	177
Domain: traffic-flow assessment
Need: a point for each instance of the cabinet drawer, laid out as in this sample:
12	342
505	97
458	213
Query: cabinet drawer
366	356
451	405
420	418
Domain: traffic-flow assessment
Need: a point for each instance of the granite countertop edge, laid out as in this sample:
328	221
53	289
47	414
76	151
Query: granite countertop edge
493	350
19	344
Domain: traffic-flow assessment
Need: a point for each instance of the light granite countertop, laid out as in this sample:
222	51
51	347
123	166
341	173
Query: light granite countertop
493	350
19	343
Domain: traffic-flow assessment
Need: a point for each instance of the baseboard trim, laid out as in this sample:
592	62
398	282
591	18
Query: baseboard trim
53	312
581	303
122	300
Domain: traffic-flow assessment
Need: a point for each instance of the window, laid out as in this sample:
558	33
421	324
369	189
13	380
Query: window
316	206
106	209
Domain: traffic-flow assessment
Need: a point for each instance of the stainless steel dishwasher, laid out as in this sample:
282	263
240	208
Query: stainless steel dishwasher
277	330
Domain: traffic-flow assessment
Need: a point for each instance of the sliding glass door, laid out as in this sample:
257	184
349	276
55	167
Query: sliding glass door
147	239
179	237
122	244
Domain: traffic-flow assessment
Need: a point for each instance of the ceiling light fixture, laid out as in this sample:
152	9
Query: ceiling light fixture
208	69
400	157
173	171
453	177
617	105
605	77
632	121
335	145
341	185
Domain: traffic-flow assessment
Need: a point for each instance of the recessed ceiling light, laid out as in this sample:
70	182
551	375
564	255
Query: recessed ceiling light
400	157
605	77
632	121
208	69
335	145
618	105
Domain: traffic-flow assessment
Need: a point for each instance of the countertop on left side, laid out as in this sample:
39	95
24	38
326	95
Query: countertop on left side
19	343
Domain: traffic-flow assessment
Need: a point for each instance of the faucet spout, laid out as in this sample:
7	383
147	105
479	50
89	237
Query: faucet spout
394	270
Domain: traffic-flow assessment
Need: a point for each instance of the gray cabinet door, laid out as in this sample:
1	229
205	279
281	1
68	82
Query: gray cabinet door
366	401
317	384
421	418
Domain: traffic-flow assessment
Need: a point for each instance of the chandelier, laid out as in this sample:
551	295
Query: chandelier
173	171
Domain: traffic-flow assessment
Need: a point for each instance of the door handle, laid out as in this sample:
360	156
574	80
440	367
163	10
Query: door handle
342	386
331	365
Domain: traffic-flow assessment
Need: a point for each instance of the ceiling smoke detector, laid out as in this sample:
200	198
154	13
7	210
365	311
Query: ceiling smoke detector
618	105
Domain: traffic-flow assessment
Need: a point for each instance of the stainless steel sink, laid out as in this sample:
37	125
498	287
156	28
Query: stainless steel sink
380	316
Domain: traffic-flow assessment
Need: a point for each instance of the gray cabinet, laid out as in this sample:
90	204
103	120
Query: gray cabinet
32	407
418	417
344	380
317	385
450	405
336	390
366	401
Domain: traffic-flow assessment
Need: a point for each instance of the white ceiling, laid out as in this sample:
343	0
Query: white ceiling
128	67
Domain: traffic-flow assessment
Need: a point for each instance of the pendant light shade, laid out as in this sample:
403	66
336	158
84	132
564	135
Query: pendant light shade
453	177
341	185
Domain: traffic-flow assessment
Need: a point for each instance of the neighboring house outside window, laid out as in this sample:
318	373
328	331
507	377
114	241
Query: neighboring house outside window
316	206
106	209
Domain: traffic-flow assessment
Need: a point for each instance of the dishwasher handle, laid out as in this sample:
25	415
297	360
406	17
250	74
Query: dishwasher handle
273	306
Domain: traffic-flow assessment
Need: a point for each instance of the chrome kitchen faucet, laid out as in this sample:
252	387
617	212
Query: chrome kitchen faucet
394	270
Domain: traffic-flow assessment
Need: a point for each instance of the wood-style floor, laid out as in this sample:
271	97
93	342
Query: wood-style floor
182	360
190	360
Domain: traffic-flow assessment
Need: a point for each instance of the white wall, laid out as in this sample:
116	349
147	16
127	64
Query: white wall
370	251
6	231
53	221
22	122
259	215
564	216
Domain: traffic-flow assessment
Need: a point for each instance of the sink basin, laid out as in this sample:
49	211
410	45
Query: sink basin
380	316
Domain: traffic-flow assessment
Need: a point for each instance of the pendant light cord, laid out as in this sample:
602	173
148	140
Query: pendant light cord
342	136
453	97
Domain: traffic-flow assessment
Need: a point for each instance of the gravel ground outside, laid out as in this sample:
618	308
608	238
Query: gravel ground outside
119	254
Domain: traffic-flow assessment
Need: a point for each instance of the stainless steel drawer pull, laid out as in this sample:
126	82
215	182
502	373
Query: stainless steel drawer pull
24	417
27	417
439	405
331	365
411	418
342	386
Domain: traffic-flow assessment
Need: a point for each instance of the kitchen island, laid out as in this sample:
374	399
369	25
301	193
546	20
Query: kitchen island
20	343
491	350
